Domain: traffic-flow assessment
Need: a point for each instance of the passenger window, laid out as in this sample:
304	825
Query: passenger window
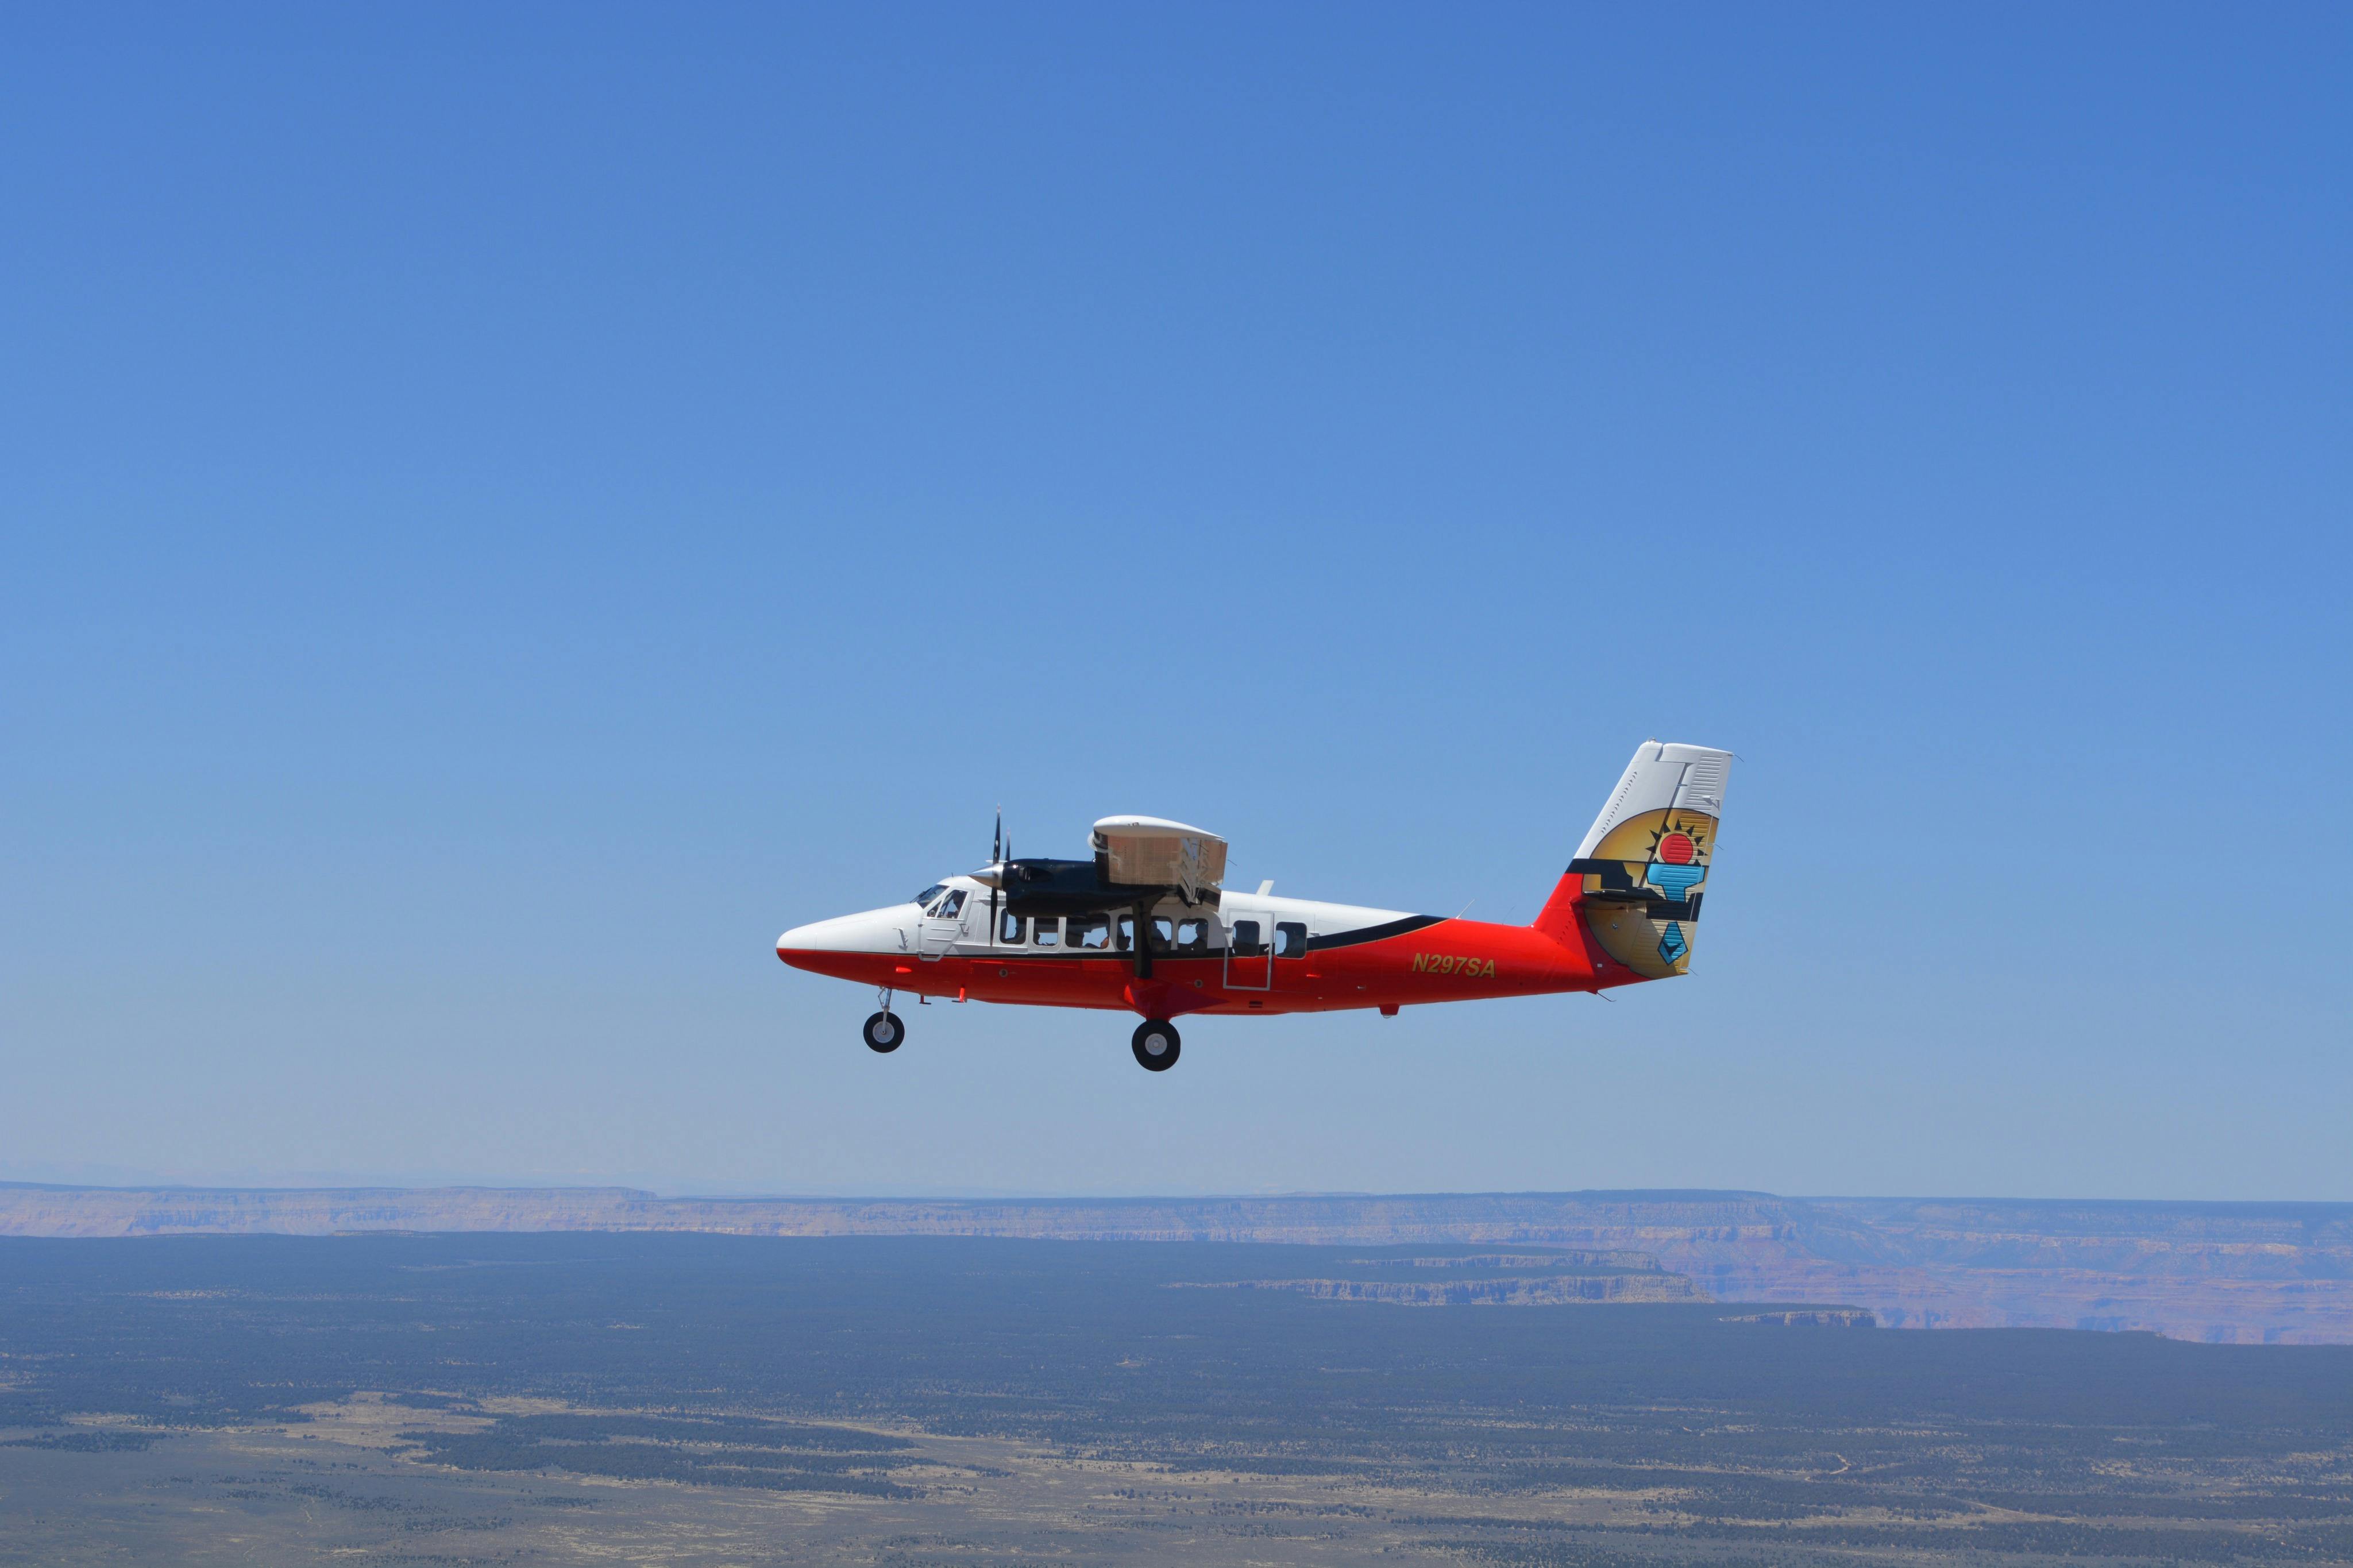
1290	940
1089	931
1243	943
1050	932
1192	936
1008	930
1163	934
1123	935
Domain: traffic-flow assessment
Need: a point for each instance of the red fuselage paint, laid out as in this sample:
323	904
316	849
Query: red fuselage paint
1450	961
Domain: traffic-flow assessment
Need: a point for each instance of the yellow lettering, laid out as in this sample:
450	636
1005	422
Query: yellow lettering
1453	964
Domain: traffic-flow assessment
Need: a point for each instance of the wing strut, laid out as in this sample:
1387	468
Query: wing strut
1143	938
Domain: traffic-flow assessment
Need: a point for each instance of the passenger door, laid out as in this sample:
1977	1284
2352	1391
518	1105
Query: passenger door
1250	954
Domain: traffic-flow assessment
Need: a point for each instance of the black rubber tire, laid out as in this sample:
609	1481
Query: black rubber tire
884	1033
1152	1033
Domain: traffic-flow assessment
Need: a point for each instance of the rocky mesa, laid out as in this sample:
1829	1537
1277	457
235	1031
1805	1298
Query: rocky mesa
2225	1272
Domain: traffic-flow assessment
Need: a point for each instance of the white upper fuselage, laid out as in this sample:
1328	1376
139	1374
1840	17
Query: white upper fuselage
907	928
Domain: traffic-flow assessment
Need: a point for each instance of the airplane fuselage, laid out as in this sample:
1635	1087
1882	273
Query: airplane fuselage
1250	954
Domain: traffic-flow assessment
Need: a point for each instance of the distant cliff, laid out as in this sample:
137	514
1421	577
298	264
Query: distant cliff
2234	1272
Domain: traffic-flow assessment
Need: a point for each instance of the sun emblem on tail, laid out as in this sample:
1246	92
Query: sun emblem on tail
1678	858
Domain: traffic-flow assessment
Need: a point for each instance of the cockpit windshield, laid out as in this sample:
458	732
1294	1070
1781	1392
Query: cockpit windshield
928	894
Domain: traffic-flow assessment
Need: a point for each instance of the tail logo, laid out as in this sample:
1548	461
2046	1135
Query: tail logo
1678	864
1678	860
1645	879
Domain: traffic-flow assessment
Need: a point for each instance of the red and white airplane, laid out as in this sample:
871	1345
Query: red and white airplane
1064	933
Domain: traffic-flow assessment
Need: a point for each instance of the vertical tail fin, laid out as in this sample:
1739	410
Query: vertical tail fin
1640	875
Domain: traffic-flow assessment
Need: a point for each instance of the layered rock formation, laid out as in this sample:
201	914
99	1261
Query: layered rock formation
1553	1277
2235	1272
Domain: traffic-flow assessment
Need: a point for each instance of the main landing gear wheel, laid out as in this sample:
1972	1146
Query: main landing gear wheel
1156	1045
883	1032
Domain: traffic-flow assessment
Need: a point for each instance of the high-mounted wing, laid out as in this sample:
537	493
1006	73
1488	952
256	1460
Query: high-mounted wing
1153	852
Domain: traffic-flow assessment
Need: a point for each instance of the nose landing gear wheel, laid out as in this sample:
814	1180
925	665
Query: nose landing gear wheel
1156	1045
883	1033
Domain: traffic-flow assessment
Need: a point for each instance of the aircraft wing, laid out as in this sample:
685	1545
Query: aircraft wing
1153	852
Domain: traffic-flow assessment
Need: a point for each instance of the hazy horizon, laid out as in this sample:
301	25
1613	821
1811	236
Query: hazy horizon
124	1181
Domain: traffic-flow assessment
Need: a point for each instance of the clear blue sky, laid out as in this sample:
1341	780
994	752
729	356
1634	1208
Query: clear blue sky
506	509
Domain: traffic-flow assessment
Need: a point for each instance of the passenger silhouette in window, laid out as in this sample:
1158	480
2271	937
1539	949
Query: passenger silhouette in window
1048	932
1008	930
1290	939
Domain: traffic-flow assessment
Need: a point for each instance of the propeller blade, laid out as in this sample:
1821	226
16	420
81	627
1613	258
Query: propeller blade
996	857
